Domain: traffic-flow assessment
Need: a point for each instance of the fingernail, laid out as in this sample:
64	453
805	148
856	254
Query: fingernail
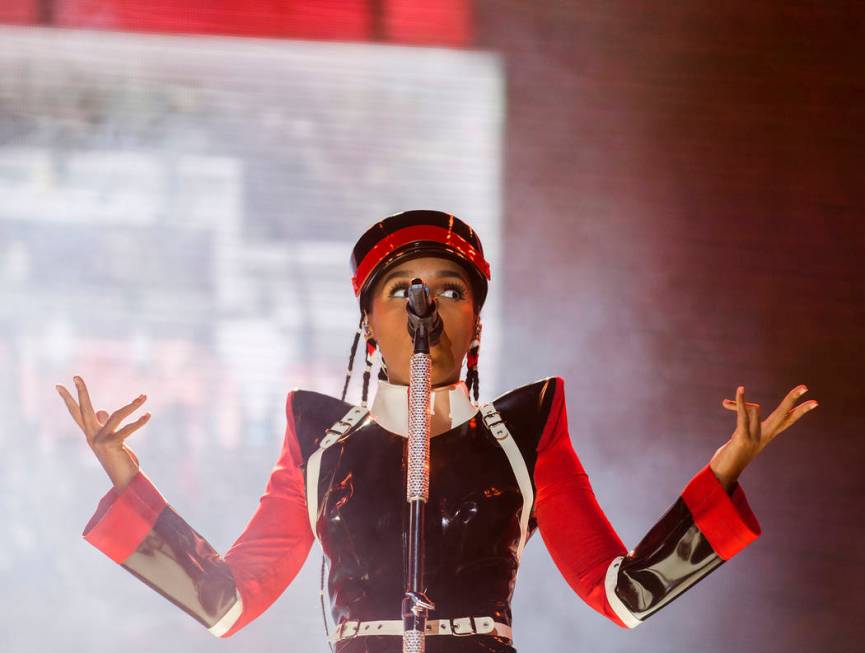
57	387
802	390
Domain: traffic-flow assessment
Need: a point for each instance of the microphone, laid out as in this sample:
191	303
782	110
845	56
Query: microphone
423	314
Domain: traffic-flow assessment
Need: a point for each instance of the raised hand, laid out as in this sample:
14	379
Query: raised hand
99	429
751	435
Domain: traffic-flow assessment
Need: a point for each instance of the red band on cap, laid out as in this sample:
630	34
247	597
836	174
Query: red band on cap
406	235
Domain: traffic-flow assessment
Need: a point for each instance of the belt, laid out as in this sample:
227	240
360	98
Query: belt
459	627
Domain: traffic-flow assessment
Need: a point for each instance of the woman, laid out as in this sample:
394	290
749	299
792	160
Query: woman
498	472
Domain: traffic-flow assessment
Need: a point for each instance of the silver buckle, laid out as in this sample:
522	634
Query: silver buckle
336	431
358	411
462	621
339	427
489	412
495	424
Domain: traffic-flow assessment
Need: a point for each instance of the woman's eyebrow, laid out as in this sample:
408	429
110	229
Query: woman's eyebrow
405	273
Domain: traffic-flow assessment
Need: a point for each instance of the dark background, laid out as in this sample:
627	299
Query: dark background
709	157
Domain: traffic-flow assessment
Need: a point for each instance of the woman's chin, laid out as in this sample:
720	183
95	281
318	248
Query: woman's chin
443	379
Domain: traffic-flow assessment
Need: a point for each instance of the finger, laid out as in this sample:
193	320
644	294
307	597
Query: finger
130	428
101	416
778	416
120	414
791	417
731	405
794	394
71	405
754	426
741	414
807	406
87	415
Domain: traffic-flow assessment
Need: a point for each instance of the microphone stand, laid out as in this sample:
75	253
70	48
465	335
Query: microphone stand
425	327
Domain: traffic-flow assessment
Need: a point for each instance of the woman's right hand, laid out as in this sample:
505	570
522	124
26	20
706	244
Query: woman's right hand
119	461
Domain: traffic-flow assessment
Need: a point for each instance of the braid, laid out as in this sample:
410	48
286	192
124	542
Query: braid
472	373
370	348
472	380
382	370
351	357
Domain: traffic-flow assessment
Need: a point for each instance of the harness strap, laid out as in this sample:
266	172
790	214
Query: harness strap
339	429
503	436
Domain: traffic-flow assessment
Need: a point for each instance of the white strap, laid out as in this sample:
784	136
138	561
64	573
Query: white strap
495	424
613	599
458	627
313	465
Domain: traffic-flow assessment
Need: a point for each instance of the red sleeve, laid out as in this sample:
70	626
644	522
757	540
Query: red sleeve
124	518
580	538
576	532
726	520
271	550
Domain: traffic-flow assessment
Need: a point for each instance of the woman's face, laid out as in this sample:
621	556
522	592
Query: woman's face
449	285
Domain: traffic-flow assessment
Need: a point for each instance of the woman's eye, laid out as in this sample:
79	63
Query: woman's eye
400	292
456	291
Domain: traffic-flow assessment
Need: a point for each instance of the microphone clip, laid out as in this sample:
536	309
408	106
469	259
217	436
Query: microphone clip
424	323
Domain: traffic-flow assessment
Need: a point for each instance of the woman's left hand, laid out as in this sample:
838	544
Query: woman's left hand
751	435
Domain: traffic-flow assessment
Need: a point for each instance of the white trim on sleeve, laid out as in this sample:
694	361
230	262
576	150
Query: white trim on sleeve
613	599
229	618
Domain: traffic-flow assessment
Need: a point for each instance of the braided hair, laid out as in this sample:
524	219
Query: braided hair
472	381
370	349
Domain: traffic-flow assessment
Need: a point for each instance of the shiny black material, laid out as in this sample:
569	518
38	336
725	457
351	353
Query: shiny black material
672	557
472	517
176	561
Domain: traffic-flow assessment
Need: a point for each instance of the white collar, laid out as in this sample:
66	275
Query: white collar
390	407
